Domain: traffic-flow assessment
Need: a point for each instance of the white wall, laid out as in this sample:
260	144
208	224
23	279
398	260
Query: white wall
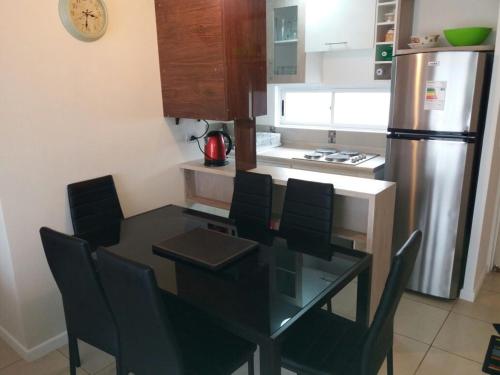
483	226
432	16
495	228
69	111
352	68
9	306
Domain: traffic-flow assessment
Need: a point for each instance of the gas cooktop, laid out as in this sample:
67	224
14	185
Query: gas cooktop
330	155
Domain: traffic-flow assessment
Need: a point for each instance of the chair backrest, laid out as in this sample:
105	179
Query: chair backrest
147	341
307	211
95	210
252	199
87	312
380	335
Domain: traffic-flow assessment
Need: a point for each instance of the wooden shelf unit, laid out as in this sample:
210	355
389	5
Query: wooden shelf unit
214	187
402	25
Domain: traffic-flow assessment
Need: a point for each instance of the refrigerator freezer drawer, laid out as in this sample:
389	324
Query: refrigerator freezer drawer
433	187
438	92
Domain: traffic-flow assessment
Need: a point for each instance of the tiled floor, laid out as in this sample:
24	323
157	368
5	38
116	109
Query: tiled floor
432	337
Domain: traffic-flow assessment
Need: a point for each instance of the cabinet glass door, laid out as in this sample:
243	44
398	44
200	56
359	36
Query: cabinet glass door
285	41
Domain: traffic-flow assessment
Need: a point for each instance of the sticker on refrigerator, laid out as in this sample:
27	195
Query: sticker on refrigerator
435	96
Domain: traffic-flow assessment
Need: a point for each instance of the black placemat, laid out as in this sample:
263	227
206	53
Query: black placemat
492	361
205	248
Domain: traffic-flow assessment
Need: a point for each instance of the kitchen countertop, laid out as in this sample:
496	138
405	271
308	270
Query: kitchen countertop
344	185
288	153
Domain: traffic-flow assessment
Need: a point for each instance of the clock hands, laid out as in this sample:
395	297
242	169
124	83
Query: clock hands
88	13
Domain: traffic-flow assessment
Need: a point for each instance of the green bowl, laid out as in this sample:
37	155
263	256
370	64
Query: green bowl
467	36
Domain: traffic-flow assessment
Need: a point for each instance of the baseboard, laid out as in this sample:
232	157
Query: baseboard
467	295
470	295
36	352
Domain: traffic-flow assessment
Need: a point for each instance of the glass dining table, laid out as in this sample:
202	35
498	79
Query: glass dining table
258	297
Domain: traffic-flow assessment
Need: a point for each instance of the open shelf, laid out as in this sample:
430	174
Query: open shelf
446	49
359	239
386	3
208	202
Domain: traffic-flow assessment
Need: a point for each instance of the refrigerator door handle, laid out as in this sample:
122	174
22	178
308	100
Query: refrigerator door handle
470	138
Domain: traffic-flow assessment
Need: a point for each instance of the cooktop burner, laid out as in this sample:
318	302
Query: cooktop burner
326	151
337	157
313	155
332	156
350	153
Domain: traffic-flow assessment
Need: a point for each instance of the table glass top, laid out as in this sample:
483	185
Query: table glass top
261	293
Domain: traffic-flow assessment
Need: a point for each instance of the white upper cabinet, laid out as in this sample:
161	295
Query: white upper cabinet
339	25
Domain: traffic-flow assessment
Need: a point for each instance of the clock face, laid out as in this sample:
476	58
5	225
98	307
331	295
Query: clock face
84	19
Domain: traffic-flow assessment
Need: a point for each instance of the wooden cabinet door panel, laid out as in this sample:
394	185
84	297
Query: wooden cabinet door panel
245	40
195	90
192	61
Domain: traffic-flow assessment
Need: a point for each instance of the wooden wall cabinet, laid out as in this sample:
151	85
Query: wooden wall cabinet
212	58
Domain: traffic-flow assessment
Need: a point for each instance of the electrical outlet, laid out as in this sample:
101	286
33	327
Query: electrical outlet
332	136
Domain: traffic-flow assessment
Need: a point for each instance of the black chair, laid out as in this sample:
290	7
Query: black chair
307	214
95	211
324	343
88	316
307	211
164	338
252	199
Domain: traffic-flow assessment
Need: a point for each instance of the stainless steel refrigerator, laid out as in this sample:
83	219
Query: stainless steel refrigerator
438	110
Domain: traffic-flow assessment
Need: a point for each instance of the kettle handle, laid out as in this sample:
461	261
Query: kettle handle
225	135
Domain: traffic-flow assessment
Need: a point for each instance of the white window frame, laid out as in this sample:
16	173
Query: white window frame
332	125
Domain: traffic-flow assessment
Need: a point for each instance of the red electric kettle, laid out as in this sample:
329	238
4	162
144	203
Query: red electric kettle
215	148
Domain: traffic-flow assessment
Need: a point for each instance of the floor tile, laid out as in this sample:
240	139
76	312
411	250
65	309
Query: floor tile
492	282
110	370
92	359
52	364
431	301
7	355
408	354
418	321
465	337
439	362
486	307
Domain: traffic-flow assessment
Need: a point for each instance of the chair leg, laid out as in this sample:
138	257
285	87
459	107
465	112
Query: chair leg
119	369
251	370
74	355
390	362
329	306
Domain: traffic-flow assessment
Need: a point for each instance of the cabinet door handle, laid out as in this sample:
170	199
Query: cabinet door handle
335	43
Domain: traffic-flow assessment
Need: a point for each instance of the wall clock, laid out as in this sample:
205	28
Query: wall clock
86	20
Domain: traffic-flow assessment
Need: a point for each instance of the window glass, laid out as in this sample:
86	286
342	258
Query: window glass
355	110
364	109
307	108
